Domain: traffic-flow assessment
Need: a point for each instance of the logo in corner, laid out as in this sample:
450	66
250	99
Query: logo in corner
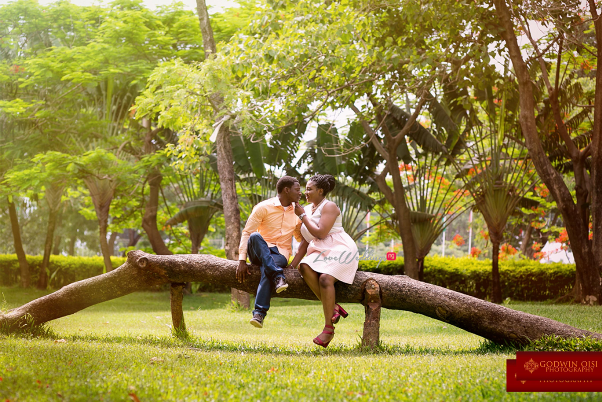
531	366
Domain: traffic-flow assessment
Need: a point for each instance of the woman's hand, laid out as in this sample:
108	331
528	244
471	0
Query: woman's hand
298	209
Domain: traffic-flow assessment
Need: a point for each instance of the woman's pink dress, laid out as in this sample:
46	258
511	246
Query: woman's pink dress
336	254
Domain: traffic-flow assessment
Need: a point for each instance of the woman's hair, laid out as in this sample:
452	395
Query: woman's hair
324	181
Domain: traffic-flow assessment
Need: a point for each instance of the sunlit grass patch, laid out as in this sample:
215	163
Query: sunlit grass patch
125	347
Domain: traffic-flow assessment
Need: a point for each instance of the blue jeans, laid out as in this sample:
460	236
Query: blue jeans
270	262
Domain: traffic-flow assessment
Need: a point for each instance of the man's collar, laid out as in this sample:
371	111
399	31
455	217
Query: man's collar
277	202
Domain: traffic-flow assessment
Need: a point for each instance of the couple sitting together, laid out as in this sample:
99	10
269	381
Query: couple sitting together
267	237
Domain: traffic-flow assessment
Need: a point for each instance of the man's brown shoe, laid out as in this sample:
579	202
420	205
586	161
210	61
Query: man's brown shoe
257	320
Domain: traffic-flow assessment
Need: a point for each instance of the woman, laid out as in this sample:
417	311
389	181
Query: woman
326	254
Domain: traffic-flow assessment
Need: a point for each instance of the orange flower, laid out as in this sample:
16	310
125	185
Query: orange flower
506	251
542	190
475	252
458	240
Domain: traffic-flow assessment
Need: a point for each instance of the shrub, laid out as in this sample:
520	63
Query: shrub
63	270
521	279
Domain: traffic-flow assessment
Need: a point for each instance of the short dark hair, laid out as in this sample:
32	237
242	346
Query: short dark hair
285	181
324	181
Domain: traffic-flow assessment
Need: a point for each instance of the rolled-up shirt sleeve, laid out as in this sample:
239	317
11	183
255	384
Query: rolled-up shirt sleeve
259	212
297	232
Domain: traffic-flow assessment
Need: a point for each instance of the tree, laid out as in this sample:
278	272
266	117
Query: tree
368	62
198	192
565	36
47	175
103	174
225	160
434	201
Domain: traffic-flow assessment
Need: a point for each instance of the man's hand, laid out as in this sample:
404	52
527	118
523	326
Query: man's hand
298	208
242	271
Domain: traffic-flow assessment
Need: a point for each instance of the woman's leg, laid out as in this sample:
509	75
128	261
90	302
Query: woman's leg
328	301
311	277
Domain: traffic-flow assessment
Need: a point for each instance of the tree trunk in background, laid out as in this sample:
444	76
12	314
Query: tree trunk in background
133	237
420	268
102	192
526	240
596	147
23	264
56	245
111	242
225	160
43	275
72	241
587	261
141	271
496	288
103	225
149	221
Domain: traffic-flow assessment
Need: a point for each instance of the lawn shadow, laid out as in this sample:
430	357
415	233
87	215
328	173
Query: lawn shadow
214	345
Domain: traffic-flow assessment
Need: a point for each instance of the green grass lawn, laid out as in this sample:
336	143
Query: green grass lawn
122	350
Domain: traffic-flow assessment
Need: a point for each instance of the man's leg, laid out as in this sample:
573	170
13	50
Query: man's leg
260	254
280	262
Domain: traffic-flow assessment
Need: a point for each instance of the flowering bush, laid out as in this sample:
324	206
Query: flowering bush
506	251
405	168
485	235
542	190
475	252
458	240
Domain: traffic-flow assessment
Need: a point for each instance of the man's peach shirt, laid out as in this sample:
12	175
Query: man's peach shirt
275	223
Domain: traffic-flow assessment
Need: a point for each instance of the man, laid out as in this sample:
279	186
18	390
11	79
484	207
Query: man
266	239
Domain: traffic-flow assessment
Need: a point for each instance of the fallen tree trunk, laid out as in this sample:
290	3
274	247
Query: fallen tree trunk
141	271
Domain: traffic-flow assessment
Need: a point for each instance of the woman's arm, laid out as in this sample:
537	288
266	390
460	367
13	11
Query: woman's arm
330	211
301	251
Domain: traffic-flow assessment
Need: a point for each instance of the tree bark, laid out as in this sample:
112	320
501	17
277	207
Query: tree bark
573	215
176	294
206	30
111	242
142	271
102	192
420	269
225	159
23	264
524	247
496	288
372	305
72	240
596	147
403	215
56	243
149	221
43	275
103	224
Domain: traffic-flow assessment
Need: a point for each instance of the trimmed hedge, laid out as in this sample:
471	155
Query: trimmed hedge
70	269
521	279
525	280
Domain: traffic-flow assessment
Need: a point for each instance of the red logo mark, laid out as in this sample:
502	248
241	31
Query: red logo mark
391	256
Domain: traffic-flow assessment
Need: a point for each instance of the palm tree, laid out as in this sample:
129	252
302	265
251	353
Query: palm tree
435	202
199	195
498	174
